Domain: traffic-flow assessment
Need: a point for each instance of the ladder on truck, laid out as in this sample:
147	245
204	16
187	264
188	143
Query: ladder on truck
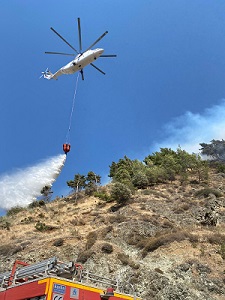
53	267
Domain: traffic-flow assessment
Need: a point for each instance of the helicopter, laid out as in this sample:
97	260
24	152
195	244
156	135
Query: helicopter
81	60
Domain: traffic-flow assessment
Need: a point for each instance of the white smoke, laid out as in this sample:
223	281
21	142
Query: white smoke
189	130
24	186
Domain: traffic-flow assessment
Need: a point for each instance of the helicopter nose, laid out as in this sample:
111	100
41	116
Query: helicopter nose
100	51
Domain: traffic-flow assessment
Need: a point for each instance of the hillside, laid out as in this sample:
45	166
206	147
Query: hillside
166	242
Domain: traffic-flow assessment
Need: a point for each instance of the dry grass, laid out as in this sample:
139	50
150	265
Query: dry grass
83	256
10	249
125	260
134	238
92	231
77	222
153	243
216	238
104	231
118	218
182	208
91	239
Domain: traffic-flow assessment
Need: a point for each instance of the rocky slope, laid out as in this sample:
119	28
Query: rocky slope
167	242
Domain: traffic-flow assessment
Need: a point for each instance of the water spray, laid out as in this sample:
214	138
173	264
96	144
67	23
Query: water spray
24	186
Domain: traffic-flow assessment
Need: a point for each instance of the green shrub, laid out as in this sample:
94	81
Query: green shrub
14	210
156	174
59	242
36	203
43	227
220	167
90	190
140	180
120	192
206	192
102	196
41	215
107	248
27	220
4	223
146	192
40	226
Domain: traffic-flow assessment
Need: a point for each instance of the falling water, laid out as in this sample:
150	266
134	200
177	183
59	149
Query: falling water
24	186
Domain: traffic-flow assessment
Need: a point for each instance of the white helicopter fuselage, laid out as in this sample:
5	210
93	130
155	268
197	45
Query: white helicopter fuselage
80	61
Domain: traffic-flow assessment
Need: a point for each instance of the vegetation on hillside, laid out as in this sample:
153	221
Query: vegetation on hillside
159	219
127	175
164	166
89	183
215	150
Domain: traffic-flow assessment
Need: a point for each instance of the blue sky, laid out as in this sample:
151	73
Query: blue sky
166	86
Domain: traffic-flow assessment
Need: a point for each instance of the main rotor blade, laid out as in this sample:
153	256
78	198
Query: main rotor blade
64	40
108	55
47	52
79	33
102	36
97	68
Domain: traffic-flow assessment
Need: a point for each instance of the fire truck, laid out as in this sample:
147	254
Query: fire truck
54	280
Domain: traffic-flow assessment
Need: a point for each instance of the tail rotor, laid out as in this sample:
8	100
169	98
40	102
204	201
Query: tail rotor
46	72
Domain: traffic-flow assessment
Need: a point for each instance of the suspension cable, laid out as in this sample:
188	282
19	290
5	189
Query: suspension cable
72	109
